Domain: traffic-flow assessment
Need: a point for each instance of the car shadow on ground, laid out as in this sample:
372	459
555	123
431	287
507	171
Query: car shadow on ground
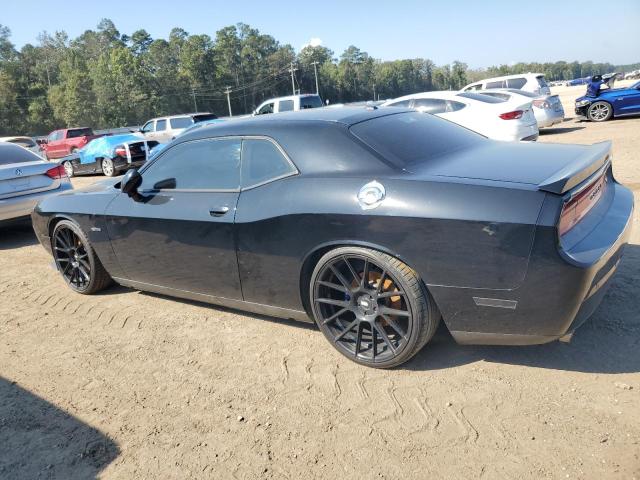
609	342
38	440
558	130
16	236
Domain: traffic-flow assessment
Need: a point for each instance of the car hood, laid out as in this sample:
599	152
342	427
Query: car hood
528	165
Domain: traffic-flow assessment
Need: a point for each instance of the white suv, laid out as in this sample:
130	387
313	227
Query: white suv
529	82
164	129
292	103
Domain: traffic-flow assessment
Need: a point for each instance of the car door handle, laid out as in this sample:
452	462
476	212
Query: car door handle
218	211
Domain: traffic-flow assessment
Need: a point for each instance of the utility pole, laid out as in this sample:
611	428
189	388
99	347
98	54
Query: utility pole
228	91
315	71
195	104
374	92
293	84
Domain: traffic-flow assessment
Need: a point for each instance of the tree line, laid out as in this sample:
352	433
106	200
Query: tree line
107	79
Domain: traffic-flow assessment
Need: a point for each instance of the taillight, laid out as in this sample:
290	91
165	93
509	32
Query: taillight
121	151
577	207
541	104
56	172
512	115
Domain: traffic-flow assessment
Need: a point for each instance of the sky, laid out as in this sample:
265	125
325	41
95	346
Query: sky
479	33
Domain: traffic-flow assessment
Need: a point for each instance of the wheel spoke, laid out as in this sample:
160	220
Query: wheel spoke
394	311
374	345
335	286
397	293
358	339
334	316
392	323
332	301
365	274
381	281
384	336
348	329
339	276
356	277
84	273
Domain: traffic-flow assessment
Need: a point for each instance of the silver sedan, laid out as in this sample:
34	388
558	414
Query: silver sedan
547	109
25	179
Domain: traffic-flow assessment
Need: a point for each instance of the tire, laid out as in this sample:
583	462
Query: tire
384	306
108	168
73	254
600	112
68	168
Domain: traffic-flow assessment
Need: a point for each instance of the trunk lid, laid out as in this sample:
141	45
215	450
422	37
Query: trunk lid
554	168
24	178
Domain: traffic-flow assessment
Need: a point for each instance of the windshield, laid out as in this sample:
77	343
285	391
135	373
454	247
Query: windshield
413	138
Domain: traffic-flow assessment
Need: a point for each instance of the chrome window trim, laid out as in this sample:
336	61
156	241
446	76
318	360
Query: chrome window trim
240	188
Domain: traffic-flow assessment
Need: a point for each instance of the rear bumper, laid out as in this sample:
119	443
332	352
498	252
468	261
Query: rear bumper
21	206
561	290
549	118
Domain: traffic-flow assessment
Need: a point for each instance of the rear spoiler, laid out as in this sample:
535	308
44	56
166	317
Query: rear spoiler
582	167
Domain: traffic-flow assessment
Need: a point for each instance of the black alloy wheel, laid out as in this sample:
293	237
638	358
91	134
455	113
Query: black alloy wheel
373	308
76	260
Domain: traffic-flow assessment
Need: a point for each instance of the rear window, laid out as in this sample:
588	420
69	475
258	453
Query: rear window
400	103
480	97
517	83
541	81
23	142
10	153
500	95
204	117
310	102
413	138
79	132
180	122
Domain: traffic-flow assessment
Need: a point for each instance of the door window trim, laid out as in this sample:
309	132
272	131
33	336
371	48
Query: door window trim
293	172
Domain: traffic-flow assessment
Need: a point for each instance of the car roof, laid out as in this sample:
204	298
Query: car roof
179	115
19	137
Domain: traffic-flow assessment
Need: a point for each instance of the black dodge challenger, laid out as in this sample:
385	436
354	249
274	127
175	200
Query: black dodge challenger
375	223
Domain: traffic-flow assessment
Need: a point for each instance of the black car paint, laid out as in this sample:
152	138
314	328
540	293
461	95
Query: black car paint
467	237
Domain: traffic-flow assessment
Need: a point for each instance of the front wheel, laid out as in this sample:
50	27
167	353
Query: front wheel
372	308
76	259
108	168
600	112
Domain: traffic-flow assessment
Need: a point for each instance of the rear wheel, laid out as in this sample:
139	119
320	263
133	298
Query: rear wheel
68	168
600	112
107	167
76	259
373	308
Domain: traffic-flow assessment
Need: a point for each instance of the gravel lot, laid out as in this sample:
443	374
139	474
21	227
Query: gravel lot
133	385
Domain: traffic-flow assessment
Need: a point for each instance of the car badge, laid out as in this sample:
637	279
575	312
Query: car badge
18	172
371	195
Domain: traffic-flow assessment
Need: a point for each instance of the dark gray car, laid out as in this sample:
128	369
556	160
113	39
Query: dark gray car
374	223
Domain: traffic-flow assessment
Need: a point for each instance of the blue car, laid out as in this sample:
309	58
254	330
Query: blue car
609	103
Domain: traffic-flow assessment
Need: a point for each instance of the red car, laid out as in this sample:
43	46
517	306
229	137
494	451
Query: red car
61	143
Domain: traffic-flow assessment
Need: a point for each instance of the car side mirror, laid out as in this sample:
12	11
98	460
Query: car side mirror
130	183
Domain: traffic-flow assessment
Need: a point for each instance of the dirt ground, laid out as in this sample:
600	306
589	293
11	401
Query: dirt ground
133	385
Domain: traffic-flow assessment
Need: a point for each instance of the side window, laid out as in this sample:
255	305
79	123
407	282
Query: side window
477	86
430	105
453	106
268	108
161	125
401	103
516	82
285	106
201	164
496	84
262	161
148	127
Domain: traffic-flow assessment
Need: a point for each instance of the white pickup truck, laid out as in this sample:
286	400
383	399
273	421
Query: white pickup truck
292	103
